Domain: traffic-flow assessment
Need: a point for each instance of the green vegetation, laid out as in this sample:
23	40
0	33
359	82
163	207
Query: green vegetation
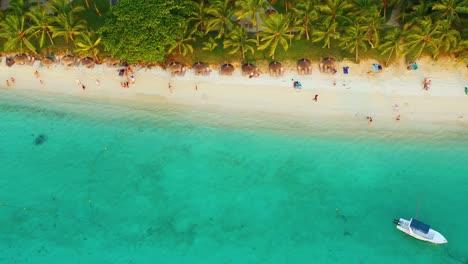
219	31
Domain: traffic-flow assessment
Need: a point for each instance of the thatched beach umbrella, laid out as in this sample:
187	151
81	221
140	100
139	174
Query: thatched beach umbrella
112	62
201	68
88	62
304	66
226	69
9	61
68	60
47	61
21	59
249	69
327	64
276	69
177	69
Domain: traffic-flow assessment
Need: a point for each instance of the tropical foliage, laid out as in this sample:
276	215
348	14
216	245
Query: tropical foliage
141	30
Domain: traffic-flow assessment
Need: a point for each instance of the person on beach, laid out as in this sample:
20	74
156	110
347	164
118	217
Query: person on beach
7	84
13	81
133	78
316	98
196	88
78	82
83	86
42	83
397	118
170	88
466	90
97	82
36	73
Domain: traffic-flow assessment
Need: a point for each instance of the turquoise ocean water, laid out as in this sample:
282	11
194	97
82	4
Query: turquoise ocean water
106	182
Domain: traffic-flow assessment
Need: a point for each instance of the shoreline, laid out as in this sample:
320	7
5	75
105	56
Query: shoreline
345	105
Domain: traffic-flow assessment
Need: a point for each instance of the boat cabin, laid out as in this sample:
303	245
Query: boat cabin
419	226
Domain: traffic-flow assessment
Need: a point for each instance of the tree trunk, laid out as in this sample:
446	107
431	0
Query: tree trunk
389	56
307	30
50	38
357	53
87	4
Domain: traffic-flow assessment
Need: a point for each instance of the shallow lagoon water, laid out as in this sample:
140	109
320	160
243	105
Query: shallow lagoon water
126	183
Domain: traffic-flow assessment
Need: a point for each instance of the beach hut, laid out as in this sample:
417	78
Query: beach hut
177	69
47	61
226	69
276	68
328	65
249	69
201	68
88	62
304	66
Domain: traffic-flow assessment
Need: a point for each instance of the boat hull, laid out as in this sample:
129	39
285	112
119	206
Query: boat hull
432	236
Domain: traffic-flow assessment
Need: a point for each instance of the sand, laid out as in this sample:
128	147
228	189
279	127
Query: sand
349	98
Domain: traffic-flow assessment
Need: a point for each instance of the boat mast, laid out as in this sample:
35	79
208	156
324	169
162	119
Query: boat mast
419	207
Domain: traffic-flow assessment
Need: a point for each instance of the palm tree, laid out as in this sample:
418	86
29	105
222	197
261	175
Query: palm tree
307	13
423	36
392	44
63	7
325	32
335	10
360	8
221	12
375	24
182	41
66	26
89	44
200	16
210	45
16	34
19	7
449	38
354	38
449	9
251	9
294	25
39	24
418	12
275	31
238	40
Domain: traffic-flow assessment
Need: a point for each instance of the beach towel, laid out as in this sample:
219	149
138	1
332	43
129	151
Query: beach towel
415	66
345	70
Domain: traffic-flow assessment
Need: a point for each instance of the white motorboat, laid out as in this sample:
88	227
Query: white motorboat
419	230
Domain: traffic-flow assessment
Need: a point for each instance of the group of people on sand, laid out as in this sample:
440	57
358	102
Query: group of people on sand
129	76
10	82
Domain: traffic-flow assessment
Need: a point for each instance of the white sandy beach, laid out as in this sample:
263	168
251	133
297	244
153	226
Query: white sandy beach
383	96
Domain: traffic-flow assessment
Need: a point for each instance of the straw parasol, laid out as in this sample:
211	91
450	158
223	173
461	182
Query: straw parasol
304	66
47	61
112	62
88	62
201	68
9	61
226	69
327	64
177	69
249	69
68	60
21	59
276	68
